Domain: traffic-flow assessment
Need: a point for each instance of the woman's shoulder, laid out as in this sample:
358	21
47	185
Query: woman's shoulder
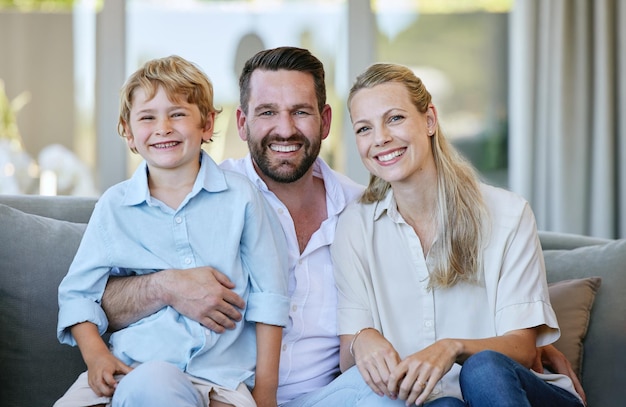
500	197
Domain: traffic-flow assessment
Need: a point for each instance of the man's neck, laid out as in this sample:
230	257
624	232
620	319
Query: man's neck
305	200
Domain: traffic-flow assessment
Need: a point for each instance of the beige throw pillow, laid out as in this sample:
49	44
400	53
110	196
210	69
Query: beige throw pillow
572	301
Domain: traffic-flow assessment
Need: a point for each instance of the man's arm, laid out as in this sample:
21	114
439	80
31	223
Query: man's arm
202	294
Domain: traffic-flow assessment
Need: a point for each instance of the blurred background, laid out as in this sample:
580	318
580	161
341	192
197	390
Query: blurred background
533	92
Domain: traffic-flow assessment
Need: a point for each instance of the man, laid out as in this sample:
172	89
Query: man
283	116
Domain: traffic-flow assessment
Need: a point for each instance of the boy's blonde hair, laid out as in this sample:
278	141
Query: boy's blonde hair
178	77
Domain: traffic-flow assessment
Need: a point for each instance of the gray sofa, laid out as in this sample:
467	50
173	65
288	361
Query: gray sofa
39	235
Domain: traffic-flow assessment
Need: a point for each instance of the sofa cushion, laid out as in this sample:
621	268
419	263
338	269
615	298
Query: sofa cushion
35	255
572	301
604	358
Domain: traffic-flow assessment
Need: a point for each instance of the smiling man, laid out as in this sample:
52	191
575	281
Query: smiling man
284	117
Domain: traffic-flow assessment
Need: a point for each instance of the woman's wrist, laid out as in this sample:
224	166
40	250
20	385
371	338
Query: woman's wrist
356	335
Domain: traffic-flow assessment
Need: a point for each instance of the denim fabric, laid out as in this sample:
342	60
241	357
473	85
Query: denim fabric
488	379
492	379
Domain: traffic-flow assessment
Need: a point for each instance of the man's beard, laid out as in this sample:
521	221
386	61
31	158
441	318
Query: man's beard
284	171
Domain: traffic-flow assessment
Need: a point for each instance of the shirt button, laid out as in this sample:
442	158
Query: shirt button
300	261
187	260
428	323
284	347
178	219
280	211
294	307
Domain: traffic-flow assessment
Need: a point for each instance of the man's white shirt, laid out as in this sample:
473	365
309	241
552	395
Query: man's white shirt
310	347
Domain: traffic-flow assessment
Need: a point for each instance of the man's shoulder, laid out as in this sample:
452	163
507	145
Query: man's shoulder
234	164
350	188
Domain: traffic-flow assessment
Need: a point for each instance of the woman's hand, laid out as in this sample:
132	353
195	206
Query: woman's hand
414	378
375	358
553	359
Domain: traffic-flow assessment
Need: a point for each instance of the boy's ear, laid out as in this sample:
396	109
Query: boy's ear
130	139
208	127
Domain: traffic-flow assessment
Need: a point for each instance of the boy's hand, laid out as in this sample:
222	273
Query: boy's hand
101	370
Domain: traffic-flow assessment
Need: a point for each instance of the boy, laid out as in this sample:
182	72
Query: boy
179	210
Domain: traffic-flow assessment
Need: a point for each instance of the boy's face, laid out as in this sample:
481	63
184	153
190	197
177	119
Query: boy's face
167	134
283	127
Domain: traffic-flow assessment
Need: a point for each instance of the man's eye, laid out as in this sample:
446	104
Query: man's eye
267	113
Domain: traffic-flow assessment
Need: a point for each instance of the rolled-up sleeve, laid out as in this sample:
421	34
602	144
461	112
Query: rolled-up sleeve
264	255
80	292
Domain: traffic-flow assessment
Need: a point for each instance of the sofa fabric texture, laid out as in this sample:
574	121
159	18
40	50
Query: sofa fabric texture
39	236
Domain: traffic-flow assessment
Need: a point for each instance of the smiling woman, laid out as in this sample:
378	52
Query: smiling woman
463	256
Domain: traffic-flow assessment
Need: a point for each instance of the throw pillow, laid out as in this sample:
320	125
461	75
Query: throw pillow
572	301
35	254
603	373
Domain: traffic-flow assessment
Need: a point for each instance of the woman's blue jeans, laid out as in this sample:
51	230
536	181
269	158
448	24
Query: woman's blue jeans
488	379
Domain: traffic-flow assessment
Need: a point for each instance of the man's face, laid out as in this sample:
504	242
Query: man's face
283	127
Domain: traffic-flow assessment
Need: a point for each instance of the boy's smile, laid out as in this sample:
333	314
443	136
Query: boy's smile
166	133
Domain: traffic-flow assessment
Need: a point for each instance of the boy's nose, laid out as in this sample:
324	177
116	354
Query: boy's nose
164	127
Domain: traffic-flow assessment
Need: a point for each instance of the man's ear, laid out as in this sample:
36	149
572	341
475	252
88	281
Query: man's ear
327	115
241	124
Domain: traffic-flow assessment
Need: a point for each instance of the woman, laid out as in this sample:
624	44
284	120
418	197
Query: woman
442	288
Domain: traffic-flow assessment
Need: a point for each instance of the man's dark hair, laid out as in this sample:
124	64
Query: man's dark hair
283	58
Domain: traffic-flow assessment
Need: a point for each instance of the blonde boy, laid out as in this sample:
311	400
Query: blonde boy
179	210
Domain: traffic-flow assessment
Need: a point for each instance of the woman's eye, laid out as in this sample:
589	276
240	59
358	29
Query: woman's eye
395	118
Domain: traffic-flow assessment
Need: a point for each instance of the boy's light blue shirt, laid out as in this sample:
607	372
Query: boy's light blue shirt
224	223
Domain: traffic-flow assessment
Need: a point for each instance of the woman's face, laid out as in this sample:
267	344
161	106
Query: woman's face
392	136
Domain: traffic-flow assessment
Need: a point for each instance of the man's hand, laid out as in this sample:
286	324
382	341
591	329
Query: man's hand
202	294
553	359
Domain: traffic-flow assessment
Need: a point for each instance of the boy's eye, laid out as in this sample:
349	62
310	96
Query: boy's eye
143	118
178	114
361	130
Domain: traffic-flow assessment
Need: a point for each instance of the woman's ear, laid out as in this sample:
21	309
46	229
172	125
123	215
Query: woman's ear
431	119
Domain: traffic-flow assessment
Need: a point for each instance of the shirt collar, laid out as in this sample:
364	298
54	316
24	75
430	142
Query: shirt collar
210	178
336	198
388	205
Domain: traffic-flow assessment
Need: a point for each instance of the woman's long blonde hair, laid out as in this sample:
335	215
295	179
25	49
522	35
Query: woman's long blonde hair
456	254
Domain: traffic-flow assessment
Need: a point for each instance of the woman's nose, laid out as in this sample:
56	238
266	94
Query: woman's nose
382	136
